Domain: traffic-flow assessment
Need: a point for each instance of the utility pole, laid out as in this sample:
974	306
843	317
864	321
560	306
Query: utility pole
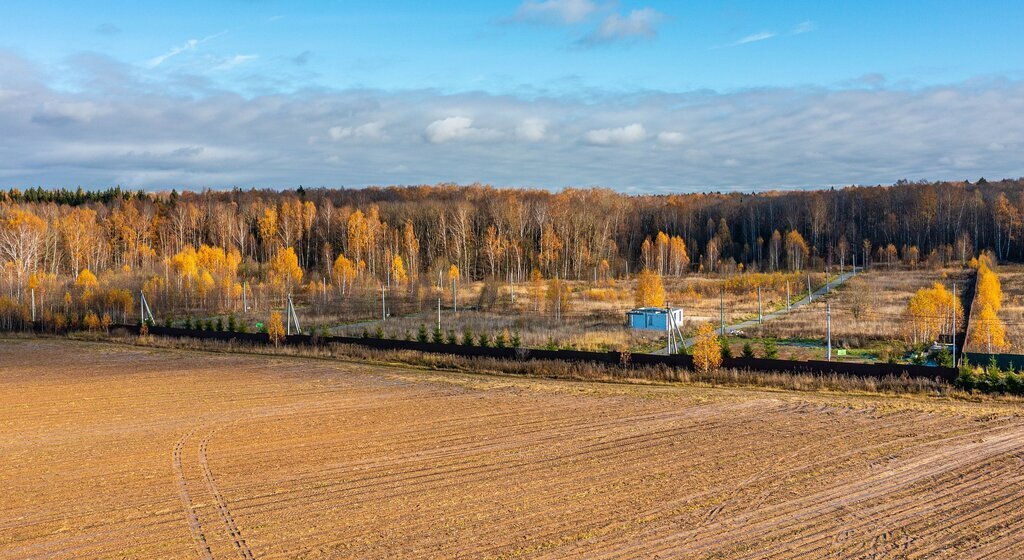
721	310
383	305
455	296
789	305
33	305
760	317
438	313
245	297
668	327
293	318
828	321
954	324
810	294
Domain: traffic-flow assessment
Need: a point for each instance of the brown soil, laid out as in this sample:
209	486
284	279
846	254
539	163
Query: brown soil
124	452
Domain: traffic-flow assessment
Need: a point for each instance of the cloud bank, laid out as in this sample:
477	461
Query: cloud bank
116	129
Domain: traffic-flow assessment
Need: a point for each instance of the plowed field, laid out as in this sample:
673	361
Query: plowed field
109	451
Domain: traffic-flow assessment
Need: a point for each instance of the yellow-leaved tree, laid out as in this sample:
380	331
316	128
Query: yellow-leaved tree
707	352
344	273
558	297
649	291
398	273
284	272
930	312
987	331
275	328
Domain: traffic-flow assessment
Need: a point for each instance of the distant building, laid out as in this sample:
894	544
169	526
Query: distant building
653	318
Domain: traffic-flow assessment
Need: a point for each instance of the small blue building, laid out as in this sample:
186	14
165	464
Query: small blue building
653	318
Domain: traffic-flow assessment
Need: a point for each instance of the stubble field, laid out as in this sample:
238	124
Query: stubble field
110	451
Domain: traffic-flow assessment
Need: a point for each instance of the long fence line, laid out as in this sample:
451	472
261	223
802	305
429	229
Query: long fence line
612	357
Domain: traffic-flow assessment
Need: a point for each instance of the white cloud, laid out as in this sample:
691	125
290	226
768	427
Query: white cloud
555	11
533	129
458	128
371	131
668	137
804	27
190	45
145	136
628	134
762	36
638	24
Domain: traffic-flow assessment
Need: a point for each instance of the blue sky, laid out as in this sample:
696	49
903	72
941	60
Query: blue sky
639	96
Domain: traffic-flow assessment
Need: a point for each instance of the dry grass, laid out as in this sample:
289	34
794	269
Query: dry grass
596	318
867	308
162	453
1011	277
583	371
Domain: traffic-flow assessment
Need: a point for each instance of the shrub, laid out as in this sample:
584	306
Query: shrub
379	333
190	323
366	333
501	339
484	340
168	322
467	337
748	350
725	349
1014	383
451	338
232	323
243	328
771	349
220	324
421	334
965	380
516	341
438	336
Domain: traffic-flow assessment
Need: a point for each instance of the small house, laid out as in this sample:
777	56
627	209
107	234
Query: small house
653	318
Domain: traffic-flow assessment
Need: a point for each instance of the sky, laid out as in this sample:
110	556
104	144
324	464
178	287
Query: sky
639	96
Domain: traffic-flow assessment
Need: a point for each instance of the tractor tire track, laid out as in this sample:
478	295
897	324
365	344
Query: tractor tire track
211	485
195	527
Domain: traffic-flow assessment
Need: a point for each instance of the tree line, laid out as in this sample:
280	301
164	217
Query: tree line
212	243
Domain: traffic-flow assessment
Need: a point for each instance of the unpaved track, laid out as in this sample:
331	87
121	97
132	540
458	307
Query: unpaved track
222	506
186	500
286	458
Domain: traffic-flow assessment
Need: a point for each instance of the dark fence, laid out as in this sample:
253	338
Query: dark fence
614	358
1005	362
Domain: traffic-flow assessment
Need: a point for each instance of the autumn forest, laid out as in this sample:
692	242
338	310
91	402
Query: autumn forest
212	250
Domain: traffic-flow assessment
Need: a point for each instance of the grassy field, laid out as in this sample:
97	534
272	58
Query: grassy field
867	312
1011	277
595	319
149	453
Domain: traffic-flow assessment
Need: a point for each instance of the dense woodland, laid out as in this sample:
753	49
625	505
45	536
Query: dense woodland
210	247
